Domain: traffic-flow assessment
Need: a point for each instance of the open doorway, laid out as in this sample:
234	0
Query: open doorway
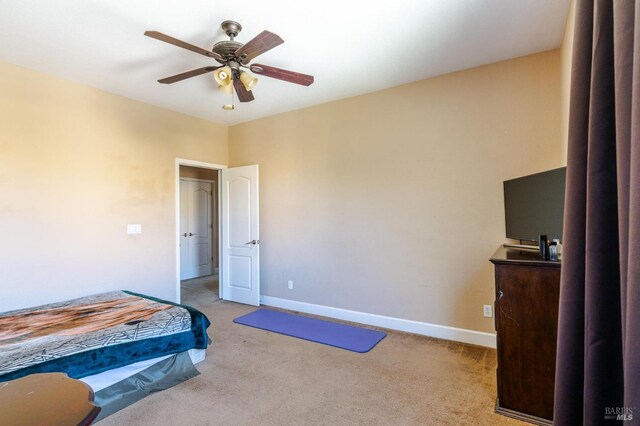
236	222
198	234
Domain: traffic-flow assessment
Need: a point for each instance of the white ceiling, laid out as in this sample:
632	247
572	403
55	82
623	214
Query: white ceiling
351	47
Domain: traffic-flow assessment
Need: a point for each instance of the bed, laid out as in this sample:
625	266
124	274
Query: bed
125	345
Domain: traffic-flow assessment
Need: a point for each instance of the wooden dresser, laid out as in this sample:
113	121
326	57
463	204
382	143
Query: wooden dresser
526	319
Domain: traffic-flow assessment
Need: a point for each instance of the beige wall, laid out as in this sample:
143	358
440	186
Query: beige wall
102	162
388	203
391	203
566	50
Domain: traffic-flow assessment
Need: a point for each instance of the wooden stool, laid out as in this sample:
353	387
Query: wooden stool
46	399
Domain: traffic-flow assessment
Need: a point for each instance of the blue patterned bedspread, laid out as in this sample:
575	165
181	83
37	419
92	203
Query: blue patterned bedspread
89	335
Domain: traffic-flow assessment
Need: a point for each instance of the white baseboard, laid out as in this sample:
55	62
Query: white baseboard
432	330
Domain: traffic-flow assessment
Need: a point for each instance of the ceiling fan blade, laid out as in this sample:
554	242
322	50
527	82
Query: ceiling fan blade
243	94
188	74
280	74
183	44
258	45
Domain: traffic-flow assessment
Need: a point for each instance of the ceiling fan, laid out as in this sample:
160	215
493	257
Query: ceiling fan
233	56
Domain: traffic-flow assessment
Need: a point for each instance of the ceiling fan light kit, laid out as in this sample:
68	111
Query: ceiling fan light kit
226	89
232	56
248	80
223	76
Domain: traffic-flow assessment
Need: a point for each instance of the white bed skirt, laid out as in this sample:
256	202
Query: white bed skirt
107	378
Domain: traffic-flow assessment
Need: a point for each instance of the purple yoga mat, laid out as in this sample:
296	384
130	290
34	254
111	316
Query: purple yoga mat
328	333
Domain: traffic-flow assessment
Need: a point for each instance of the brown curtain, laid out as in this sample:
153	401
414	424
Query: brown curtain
598	361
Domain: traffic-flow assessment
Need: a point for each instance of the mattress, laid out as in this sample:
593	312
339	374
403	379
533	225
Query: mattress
118	388
93	334
110	377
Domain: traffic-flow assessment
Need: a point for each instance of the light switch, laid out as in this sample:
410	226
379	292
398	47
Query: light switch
134	229
488	311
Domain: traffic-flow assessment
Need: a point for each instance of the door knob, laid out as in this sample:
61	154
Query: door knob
191	235
184	235
254	242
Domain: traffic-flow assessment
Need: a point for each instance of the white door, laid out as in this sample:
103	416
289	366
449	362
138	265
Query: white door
240	269
195	228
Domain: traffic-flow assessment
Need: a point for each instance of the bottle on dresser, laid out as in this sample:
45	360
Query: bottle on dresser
553	251
558	248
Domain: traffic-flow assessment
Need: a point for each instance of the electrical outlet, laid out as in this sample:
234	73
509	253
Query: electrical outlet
290	285
488	311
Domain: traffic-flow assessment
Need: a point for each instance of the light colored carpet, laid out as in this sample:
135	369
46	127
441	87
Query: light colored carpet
253	376
202	290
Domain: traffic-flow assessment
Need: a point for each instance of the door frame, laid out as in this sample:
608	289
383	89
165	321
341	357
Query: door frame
203	165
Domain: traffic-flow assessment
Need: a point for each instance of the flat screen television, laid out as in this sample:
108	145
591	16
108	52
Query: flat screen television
534	205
